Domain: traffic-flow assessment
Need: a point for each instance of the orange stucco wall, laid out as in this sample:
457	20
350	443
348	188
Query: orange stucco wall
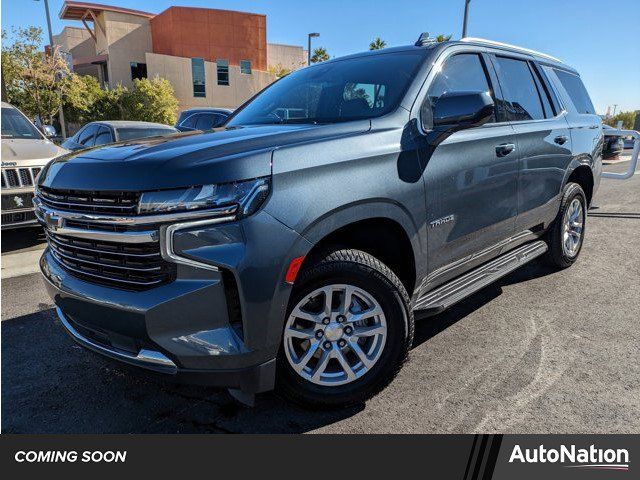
211	34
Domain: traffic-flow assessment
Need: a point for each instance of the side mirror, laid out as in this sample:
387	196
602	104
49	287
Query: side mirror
49	131
460	110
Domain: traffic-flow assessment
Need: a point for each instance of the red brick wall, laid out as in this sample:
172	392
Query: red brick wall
211	34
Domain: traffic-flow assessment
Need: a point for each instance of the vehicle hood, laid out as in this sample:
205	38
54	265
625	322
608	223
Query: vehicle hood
182	160
18	152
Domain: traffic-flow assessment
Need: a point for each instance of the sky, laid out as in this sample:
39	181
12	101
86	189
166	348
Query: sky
598	38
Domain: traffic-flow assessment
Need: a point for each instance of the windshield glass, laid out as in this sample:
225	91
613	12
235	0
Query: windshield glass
352	89
15	125
133	133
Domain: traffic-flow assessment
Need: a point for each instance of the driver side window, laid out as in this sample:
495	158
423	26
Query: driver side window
463	72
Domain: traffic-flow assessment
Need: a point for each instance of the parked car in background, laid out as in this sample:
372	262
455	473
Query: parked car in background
102	133
202	118
25	150
613	144
628	143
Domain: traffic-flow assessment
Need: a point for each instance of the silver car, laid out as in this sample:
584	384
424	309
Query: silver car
25	150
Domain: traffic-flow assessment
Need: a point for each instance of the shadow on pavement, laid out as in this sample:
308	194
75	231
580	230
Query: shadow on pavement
51	385
22	239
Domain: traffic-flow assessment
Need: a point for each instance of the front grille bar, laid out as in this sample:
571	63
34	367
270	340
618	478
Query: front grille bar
19	177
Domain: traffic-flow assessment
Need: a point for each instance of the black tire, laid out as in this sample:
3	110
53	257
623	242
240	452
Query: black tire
556	255
368	273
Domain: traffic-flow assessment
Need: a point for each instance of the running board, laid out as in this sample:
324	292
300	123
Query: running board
450	293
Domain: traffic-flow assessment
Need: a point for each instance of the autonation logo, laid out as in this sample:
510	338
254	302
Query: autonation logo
573	457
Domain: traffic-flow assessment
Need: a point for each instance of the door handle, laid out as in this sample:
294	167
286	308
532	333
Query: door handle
505	149
560	139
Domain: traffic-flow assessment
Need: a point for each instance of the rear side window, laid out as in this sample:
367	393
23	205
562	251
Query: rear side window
206	121
190	122
577	93
519	89
103	137
86	137
460	73
133	133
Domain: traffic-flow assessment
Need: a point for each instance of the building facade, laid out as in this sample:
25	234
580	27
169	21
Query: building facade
212	57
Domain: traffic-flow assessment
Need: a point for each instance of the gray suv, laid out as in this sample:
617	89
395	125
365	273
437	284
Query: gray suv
292	251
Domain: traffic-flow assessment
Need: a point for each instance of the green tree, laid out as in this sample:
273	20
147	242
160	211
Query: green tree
32	80
377	44
278	70
628	119
151	101
319	55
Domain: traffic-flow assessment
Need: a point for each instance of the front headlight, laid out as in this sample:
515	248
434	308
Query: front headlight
246	195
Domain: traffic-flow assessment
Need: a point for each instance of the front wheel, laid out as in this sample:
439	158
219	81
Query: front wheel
566	235
348	331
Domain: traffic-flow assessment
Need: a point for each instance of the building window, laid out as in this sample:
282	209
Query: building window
245	66
223	72
197	72
138	70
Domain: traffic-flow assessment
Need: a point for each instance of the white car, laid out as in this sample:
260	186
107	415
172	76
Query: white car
25	150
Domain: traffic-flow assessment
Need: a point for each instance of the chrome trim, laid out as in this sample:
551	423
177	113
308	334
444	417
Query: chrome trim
461	287
97	250
55	249
102	277
149	359
135	220
166	242
493	43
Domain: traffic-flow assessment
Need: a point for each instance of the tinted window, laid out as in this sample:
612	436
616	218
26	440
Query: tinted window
356	88
519	89
206	121
86	136
133	133
190	121
222	67
15	125
245	66
460	73
138	70
544	96
575	88
197	73
103	137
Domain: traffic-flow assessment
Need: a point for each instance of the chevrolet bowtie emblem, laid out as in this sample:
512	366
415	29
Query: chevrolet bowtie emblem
52	222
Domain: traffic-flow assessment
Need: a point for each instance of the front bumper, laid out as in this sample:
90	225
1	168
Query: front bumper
184	330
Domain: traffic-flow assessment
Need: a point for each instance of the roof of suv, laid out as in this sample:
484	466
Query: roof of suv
480	42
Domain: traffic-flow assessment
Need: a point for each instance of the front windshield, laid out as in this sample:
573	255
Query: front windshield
351	89
15	125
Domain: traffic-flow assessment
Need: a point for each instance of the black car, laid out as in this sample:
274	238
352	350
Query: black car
102	133
613	144
202	119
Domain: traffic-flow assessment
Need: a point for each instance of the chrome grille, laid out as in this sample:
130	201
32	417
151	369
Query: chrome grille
117	203
19	177
122	265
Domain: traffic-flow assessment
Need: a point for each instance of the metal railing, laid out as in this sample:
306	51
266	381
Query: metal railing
634	154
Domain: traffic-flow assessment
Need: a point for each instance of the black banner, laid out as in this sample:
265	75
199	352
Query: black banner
459	457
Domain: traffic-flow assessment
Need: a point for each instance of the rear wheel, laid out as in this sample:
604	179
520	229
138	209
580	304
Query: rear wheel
566	235
348	331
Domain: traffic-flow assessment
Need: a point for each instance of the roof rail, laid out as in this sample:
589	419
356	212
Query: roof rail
515	47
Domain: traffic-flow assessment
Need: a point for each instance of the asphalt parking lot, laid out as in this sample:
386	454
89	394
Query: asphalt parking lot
541	351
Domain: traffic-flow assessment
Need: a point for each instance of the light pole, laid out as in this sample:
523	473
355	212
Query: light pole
63	129
466	17
311	35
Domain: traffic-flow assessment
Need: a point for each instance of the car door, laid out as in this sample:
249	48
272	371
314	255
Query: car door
471	180
542	137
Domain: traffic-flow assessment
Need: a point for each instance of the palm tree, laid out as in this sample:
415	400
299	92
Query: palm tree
377	44
443	38
319	55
